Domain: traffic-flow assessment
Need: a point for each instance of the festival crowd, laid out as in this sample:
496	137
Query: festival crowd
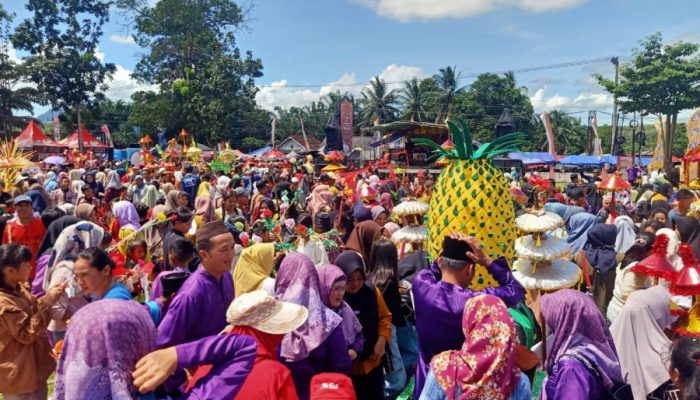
274	281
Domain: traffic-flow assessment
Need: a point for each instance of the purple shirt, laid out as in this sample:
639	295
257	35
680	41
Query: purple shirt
330	356
232	358
571	380
439	307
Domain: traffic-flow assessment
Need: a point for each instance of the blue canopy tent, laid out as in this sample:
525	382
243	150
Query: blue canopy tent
533	157
258	152
581	159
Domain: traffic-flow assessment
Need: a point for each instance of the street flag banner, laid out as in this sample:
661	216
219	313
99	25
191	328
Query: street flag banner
657	161
56	129
273	130
550	134
597	144
694	130
105	130
346	125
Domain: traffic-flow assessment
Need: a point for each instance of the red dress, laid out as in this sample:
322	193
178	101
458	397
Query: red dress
28	235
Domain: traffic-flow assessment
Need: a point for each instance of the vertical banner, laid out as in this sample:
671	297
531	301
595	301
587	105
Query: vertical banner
273	129
346	125
597	144
552	148
694	130
105	130
657	161
56	129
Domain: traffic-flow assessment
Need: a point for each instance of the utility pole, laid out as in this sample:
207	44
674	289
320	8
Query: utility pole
616	62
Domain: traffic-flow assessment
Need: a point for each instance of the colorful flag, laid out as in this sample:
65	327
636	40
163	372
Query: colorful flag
694	130
657	161
108	136
552	149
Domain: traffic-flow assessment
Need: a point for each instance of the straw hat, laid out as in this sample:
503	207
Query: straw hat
259	310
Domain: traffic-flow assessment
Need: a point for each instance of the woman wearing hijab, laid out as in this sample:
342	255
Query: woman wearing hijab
175	199
386	202
626	281
599	260
593	198
318	345
253	270
333	286
109	353
90	180
484	368
688	229
582	362
44	254
361	239
87	212
127	220
40	199
639	333
379	215
114	186
368	304
576	230
626	233
150	195
51	182
321	199
203	204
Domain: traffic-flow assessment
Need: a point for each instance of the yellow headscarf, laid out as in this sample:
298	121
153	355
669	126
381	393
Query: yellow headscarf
204	189
254	265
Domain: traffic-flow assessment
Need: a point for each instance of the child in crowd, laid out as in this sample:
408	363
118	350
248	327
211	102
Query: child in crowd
25	353
182	252
136	251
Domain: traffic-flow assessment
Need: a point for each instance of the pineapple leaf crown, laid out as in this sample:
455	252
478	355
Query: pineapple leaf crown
463	148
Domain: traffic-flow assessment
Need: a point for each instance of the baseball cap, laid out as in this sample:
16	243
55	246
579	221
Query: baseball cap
22	198
332	386
259	310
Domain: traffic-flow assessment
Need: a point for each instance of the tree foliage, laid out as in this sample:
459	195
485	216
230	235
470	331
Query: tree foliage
661	80
61	37
379	104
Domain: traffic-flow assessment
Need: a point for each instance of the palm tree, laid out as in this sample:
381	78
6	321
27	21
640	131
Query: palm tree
447	82
378	103
413	100
569	135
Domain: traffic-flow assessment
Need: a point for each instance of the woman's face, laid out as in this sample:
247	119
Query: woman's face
182	200
230	204
661	217
355	281
90	279
264	206
382	219
337	293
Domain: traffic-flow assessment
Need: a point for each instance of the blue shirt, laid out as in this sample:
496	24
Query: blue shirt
117	291
189	185
433	391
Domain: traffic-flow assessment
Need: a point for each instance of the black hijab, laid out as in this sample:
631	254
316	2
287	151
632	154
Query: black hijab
600	247
54	231
689	228
364	302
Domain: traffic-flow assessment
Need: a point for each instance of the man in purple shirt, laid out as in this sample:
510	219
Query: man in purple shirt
199	308
441	291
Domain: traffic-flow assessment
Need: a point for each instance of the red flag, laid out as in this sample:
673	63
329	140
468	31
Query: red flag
105	130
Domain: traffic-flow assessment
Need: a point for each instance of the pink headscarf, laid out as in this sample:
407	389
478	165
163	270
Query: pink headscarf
484	368
320	197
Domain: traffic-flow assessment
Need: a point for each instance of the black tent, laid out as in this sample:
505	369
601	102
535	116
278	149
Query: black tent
333	139
505	124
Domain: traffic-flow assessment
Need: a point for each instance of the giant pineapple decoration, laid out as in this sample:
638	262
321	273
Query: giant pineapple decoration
471	196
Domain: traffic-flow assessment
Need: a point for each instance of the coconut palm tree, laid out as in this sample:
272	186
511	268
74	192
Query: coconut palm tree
413	100
378	103
447	80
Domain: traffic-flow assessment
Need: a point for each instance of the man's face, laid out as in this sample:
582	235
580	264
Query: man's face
147	175
65	183
24	210
684	204
220	255
243	201
89	278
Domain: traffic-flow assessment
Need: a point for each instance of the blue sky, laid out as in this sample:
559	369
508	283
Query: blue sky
329	43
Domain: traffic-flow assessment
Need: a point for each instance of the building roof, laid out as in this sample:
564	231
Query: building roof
314	143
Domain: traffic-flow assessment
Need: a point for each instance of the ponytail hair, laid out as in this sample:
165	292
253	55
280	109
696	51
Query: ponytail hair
685	356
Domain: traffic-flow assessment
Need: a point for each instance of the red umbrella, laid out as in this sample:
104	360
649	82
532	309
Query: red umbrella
273	155
614	183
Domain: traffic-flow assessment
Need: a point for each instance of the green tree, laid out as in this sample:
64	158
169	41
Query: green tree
661	80
570	136
61	37
193	56
378	103
447	81
413	101
483	101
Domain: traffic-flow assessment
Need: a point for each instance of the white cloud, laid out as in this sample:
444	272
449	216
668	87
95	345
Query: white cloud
278	93
406	10
122	85
540	102
122	39
585	100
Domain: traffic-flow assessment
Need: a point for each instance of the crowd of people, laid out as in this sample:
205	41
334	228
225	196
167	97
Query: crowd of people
273	281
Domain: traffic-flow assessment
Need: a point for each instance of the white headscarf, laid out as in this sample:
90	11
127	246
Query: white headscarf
113	180
625	233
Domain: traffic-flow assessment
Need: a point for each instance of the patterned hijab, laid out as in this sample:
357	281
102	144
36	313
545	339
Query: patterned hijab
484	368
104	341
297	282
329	274
580	332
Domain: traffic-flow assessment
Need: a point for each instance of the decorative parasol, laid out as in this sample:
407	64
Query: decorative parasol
273	154
614	183
656	265
334	156
227	155
546	275
537	221
542	247
687	283
410	207
411	234
56	160
333	167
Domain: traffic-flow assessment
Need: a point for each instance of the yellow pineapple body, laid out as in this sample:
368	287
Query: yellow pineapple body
472	197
